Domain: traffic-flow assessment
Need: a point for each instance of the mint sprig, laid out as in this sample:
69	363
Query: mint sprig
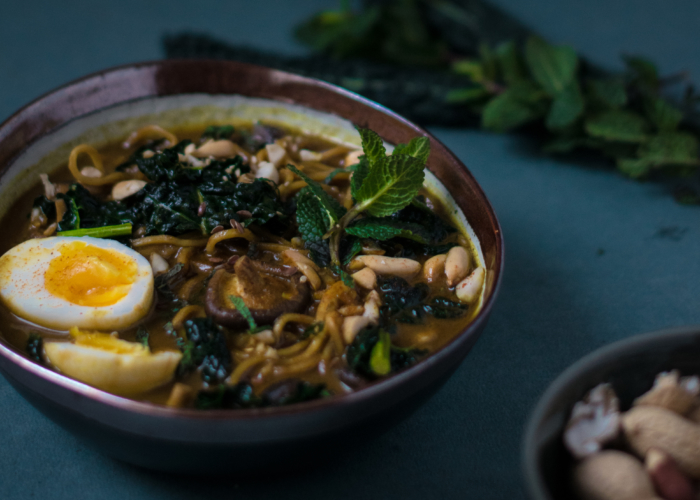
381	186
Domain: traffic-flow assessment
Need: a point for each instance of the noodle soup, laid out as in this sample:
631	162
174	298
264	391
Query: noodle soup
268	268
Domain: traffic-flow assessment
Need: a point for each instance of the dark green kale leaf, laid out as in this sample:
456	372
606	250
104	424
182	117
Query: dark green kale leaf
373	355
401	302
435	229
167	208
86	211
313	224
205	348
238	396
142	336
404	303
242	395
218	132
47	206
35	348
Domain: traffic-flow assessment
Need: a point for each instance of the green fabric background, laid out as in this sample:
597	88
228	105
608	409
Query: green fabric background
590	256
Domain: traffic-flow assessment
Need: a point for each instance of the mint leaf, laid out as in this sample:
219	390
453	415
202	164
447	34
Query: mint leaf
334	172
243	309
566	108
344	276
633	167
358	176
608	93
671	148
418	147
662	114
516	106
552	67
510	63
385	229
333	209
372	145
391	184
466	95
643	70
617	125
349	253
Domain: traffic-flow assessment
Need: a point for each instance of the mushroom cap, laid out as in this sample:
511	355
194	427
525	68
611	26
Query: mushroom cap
266	295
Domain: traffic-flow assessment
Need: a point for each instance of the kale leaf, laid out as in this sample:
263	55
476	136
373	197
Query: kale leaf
86	211
242	395
404	303
35	348
47	206
373	355
206	349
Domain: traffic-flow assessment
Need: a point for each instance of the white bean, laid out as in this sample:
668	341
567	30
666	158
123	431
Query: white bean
353	157
456	265
434	267
366	278
90	172
469	289
352	326
218	149
267	170
125	189
306	155
158	263
275	154
372	305
396	266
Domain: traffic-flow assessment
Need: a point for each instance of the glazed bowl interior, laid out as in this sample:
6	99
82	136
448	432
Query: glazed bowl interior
102	108
630	366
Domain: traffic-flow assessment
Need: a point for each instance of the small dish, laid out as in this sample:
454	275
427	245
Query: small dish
630	366
99	108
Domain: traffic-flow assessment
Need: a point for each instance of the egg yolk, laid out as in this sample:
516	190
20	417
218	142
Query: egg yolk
107	342
90	276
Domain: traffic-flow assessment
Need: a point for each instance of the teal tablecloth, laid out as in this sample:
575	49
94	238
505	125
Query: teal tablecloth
590	256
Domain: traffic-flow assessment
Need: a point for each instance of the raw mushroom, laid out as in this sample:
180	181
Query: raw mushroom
594	422
266	293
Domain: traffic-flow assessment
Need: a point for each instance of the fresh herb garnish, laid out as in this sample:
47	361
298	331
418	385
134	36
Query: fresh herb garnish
381	186
100	232
245	312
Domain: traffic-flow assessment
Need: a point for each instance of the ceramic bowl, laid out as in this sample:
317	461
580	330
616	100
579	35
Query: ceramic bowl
630	365
106	105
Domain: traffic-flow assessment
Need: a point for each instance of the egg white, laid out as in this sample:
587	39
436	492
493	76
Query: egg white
23	292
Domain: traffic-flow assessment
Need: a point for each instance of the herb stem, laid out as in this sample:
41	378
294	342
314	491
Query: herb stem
100	232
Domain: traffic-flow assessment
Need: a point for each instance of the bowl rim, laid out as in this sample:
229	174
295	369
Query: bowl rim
372	390
534	481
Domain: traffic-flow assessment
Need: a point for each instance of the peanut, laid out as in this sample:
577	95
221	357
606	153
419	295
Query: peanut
613	475
647	427
397	266
434	267
456	265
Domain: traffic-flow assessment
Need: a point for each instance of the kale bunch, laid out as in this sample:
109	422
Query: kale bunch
179	199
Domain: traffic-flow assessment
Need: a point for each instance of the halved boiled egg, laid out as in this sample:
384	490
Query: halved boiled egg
111	364
86	282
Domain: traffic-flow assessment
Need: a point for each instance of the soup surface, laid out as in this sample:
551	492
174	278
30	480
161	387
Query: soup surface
263	266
